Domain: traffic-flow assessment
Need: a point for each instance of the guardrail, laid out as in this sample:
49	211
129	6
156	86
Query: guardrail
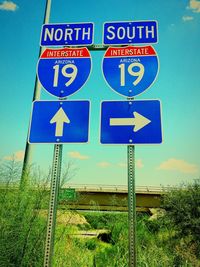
114	188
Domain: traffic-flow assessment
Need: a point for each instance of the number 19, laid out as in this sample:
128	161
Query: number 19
64	72
139	74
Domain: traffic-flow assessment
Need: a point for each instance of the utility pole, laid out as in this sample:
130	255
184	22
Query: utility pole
36	96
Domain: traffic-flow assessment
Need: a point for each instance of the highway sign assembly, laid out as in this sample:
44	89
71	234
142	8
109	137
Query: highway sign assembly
59	122
64	71
75	34
131	122
130	70
130	32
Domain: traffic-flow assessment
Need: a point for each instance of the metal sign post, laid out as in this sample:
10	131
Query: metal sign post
51	220
131	206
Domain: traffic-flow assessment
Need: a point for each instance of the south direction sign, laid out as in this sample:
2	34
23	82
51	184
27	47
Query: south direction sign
130	70
130	32
59	122
64	71
75	34
131	122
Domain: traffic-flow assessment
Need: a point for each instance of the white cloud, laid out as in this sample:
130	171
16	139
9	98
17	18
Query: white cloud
187	18
77	155
194	5
104	164
122	165
139	163
8	6
18	156
178	165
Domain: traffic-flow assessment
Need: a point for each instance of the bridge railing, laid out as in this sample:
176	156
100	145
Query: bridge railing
114	188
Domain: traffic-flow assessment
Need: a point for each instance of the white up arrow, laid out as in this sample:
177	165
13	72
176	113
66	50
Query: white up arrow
60	118
138	121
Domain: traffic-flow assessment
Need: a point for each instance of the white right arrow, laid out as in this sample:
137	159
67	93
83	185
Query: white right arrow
60	118
138	121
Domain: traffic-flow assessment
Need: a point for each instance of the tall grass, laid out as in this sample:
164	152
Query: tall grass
22	229
171	240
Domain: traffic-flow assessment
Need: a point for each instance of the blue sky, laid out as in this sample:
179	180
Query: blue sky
177	86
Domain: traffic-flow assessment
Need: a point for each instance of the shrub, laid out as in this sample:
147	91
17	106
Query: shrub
99	220
183	211
91	244
22	229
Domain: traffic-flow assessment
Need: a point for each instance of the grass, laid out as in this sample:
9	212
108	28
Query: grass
169	241
157	245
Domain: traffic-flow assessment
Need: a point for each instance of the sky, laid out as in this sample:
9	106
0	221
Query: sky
177	86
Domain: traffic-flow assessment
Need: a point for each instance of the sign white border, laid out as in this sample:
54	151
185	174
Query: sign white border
130	43
92	41
129	56
65	58
125	144
59	143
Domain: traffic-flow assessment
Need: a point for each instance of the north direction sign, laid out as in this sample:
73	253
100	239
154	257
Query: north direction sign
59	122
75	34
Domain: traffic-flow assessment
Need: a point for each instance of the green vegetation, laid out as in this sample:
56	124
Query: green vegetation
172	239
22	229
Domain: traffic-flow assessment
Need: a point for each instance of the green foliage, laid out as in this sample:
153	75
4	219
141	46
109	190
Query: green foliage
101	220
71	251
171	240
22	229
117	253
91	244
183	211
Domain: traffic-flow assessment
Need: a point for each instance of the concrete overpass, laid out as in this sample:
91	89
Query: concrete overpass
109	197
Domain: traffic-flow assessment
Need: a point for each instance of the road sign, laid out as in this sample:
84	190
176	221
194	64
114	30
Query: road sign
130	70
67	34
131	122
130	32
68	194
59	122
64	71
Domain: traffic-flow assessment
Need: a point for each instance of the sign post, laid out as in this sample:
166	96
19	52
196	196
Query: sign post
51	220
131	206
127	123
129	71
61	121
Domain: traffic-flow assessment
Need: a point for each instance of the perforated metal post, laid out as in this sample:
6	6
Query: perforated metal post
51	220
131	206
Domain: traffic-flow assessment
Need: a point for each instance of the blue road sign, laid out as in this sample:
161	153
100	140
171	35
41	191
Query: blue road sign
131	122
130	70
59	122
130	32
64	71
67	34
